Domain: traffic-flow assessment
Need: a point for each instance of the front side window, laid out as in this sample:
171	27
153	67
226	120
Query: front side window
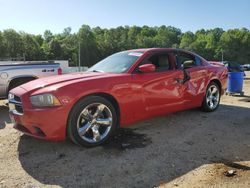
116	63
160	61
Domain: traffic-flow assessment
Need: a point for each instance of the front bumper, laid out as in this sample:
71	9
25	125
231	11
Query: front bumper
44	123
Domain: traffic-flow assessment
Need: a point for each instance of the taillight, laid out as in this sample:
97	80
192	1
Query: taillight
59	71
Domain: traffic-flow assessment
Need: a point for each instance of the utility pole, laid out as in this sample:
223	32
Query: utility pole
222	55
79	56
24	59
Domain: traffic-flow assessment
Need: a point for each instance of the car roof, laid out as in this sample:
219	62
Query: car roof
143	50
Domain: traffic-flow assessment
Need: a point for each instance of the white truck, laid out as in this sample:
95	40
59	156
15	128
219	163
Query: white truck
13	74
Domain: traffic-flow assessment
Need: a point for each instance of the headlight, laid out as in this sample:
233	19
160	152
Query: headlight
10	96
44	100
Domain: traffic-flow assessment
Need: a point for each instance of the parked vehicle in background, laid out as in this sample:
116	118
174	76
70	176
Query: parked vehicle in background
13	74
246	67
64	64
122	89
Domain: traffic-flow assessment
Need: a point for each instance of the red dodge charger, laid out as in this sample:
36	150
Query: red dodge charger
122	89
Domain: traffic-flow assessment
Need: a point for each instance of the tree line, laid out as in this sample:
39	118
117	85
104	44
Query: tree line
97	43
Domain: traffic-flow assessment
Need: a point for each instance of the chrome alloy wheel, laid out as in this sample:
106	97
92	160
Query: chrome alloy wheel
213	97
94	122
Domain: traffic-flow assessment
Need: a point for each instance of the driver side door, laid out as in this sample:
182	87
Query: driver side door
160	90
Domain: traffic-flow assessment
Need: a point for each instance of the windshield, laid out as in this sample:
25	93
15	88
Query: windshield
116	63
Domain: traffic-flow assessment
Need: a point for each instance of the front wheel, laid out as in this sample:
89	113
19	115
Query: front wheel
211	100
92	121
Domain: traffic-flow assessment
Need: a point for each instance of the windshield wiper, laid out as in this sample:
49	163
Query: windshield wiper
97	71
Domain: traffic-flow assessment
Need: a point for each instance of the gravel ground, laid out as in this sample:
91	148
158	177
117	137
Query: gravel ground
185	149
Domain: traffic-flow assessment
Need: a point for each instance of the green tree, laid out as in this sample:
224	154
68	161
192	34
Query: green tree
186	40
97	43
48	36
167	37
56	50
31	47
12	43
69	47
39	39
66	31
145	38
2	50
88	46
133	33
235	44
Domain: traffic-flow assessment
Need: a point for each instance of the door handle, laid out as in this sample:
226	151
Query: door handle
178	80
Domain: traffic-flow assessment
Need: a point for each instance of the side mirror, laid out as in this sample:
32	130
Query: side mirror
188	64
146	68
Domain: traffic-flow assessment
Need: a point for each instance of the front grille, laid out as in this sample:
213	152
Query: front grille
39	132
16	98
15	105
19	109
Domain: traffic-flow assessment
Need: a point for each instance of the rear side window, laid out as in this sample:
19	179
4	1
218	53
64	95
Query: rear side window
185	60
198	61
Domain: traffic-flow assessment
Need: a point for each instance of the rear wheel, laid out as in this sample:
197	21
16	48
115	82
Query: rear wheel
211	100
92	121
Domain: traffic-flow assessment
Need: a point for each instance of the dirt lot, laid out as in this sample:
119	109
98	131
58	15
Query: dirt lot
185	149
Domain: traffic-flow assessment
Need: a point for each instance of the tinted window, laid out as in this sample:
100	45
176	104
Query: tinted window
186	60
198	61
160	61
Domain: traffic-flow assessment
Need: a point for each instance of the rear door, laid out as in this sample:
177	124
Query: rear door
196	86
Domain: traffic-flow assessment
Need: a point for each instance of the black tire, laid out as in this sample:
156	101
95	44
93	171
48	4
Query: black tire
72	127
205	105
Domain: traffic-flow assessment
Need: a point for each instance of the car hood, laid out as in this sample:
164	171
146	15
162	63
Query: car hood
52	80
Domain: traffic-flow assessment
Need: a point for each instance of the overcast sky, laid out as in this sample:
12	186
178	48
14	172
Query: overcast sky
35	16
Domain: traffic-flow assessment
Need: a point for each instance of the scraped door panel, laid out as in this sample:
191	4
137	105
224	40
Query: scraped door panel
161	92
195	87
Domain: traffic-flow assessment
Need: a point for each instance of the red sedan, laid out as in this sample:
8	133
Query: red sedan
122	89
